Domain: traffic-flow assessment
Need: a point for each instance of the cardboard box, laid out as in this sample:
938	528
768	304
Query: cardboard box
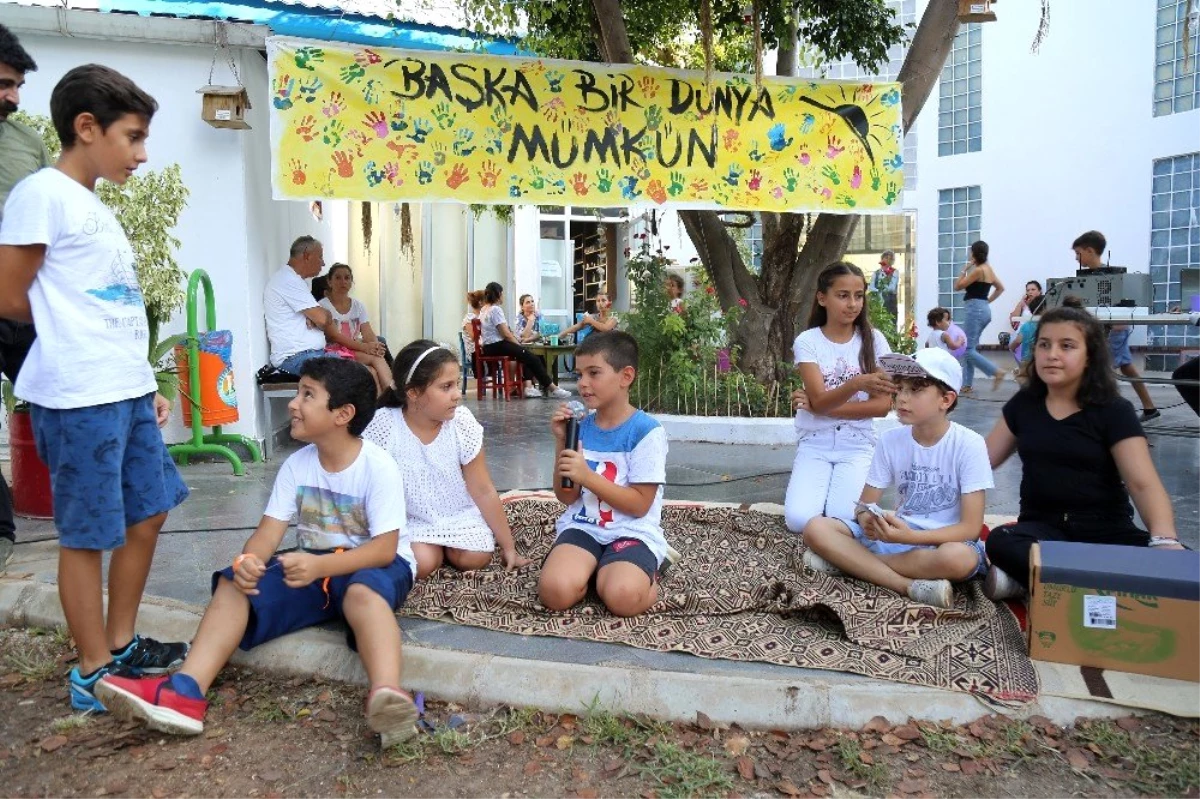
1129	609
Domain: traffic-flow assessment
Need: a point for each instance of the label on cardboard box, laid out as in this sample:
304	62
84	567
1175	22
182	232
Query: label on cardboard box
1100	611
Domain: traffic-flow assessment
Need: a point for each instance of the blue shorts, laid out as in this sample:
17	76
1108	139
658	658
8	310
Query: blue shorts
1118	346
278	610
109	469
292	363
886	548
623	550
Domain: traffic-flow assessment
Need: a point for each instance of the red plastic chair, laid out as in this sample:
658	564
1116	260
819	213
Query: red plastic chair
502	374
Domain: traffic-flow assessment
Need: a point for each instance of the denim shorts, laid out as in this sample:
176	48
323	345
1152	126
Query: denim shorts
292	363
109	470
623	550
1118	345
278	610
886	548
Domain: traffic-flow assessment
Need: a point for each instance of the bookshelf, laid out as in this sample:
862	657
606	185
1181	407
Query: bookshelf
594	244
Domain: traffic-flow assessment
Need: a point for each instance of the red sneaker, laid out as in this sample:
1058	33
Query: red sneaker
154	703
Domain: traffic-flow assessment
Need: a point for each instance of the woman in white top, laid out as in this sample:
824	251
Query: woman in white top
837	357
349	332
454	513
498	339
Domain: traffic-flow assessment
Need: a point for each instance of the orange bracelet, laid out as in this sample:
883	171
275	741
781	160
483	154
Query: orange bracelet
238	560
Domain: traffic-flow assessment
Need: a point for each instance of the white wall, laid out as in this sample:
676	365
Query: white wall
230	228
1068	144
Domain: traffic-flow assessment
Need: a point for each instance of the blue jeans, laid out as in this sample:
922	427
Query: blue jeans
979	316
292	363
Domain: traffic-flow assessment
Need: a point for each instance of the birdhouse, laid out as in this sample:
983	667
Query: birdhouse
225	106
976	11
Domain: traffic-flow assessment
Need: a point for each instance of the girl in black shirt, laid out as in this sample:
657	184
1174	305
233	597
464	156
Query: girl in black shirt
1083	454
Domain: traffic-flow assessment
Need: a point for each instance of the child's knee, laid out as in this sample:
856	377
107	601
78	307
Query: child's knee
466	561
360	597
627	597
819	532
957	561
558	592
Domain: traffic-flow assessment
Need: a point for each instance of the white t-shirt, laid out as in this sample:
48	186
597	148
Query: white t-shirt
350	323
92	334
489	323
440	508
838	363
342	509
634	452
930	481
285	299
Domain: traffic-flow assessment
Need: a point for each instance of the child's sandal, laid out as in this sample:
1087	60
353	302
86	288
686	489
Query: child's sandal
393	714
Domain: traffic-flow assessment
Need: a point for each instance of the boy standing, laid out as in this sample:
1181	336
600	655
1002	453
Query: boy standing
1089	249
355	563
66	265
940	470
612	527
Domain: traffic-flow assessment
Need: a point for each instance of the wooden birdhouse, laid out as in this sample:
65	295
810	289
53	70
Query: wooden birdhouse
976	11
225	106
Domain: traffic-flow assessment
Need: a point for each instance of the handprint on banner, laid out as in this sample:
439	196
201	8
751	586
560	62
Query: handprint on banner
835	147
501	119
351	73
458	176
604	181
755	181
830	173
699	187
846	200
853	116
405	152
778	137
332	133
377	123
425	173
371	91
756	154
731	141
649	87
825	192
553	109
299	177
367	57
373	174
791	178
391	171
804	157
676	187
890	197
537	181
400	119
462	142
555	184
554	80
890	98
444	116
344	163
494	145
863	93
514	186
654	116
856	177
777	192
894	163
612	121
656	191
874	179
334	105
284	86
307	56
579	183
735	174
309	89
807	122
305	128
488	174
439	154
628	187
360	139
421	130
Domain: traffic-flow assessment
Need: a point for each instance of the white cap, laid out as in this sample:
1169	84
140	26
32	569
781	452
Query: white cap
930	362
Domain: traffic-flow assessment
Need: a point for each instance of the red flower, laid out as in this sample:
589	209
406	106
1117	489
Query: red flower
742	302
711	290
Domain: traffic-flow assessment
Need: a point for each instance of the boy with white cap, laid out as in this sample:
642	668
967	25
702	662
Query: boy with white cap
940	470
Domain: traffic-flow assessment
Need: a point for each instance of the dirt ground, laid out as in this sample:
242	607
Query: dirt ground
273	737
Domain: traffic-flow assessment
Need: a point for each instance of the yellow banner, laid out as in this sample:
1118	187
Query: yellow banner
390	125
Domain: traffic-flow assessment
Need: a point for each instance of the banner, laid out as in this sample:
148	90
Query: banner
393	125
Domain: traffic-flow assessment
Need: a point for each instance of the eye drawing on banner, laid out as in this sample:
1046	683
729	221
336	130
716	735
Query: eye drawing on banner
394	125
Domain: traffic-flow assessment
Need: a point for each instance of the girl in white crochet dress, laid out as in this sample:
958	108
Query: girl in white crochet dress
454	512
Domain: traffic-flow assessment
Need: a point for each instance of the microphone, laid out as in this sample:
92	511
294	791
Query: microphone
578	411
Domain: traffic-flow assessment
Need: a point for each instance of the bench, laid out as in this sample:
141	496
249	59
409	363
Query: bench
268	392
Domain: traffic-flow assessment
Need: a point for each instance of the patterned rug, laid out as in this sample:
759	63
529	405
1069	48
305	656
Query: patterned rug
740	593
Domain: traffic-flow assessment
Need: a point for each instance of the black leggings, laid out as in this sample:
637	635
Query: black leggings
535	367
1008	545
1190	394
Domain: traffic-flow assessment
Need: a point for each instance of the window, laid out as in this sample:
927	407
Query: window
1175	247
1176	88
959	214
960	109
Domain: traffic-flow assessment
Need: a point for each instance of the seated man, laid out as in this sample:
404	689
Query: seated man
295	322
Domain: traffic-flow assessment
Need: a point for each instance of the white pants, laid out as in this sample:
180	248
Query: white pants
828	475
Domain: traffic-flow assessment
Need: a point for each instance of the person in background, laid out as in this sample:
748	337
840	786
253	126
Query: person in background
602	321
349	334
497	339
295	322
980	288
945	334
674	287
886	281
1029	300
529	320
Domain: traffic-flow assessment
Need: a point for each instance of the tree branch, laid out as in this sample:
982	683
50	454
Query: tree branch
927	54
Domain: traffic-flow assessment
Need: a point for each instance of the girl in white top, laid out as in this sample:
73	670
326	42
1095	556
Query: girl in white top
844	390
454	513
349	332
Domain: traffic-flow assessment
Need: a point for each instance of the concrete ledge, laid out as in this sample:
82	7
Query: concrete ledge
831	699
740	429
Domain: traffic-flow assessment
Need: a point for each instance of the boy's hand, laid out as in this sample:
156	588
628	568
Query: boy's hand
512	560
248	573
558	422
299	569
162	409
893	530
572	465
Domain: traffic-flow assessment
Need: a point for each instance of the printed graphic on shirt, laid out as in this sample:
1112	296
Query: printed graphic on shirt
326	514
925	491
595	511
841	371
122	285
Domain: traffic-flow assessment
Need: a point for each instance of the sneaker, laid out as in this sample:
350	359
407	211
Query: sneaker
559	393
938	593
1148	415
6	550
818	564
83	692
153	702
533	393
392	714
673	555
998	585
148	656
